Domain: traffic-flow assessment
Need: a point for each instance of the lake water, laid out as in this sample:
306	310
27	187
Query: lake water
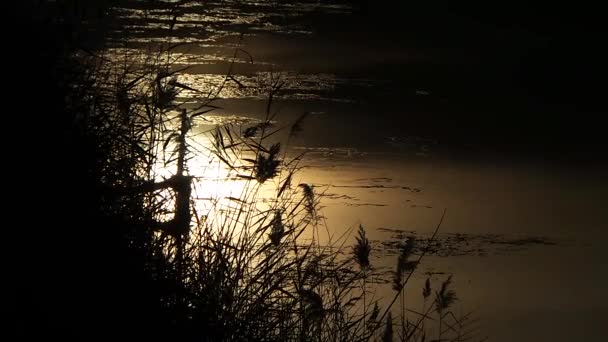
523	236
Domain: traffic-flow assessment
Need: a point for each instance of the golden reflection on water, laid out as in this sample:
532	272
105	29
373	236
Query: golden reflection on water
480	199
214	185
221	195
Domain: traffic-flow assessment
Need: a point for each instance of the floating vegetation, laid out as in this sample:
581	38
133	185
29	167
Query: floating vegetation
463	244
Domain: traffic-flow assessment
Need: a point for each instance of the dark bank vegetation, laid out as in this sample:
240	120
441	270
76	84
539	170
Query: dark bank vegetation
120	249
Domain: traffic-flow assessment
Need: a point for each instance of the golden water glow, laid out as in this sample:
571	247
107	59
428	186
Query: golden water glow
213	183
219	194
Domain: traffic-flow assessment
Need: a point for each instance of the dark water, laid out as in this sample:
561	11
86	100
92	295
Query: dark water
443	73
395	136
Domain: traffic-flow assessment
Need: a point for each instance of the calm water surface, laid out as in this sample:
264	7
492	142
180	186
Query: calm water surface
524	237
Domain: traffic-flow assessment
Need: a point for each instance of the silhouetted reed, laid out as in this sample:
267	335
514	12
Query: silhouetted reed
243	266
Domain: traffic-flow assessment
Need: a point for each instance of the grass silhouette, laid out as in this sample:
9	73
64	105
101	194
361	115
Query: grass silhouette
136	257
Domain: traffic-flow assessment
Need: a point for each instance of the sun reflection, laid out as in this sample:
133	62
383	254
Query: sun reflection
213	184
217	190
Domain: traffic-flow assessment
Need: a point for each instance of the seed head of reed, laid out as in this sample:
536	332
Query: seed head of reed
362	249
277	229
387	335
309	198
267	164
404	265
426	290
445	297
